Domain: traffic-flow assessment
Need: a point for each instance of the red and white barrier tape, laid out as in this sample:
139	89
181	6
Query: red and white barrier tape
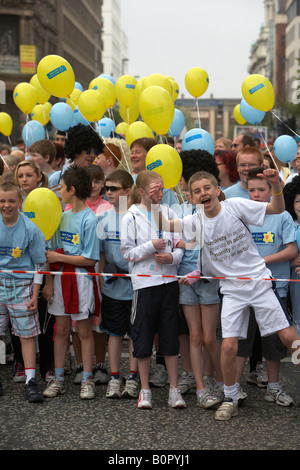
60	273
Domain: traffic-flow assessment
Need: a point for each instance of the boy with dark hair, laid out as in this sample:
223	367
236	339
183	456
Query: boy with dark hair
75	248
116	291
22	248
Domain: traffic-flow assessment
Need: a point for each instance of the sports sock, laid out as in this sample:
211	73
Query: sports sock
231	392
60	373
30	374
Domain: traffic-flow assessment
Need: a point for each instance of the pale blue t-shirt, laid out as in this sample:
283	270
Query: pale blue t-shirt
108	232
277	231
21	247
76	234
236	190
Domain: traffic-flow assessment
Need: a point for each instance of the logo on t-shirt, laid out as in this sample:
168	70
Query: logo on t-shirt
263	237
71	238
14	252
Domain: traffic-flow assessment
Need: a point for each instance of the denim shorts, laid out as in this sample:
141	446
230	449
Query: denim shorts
15	294
199	293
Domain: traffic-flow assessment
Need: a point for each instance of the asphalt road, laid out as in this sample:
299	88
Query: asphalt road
119	429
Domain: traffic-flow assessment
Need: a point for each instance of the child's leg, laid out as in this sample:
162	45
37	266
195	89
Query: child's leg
228	360
144	371
210	316
193	317
85	333
61	343
172	368
114	352
29	352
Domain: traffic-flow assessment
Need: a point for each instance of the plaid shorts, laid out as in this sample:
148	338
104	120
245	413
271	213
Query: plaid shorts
15	294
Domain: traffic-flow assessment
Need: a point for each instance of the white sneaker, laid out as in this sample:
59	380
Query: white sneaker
227	410
131	389
186	382
160	376
145	399
278	396
54	388
87	390
113	389
175	398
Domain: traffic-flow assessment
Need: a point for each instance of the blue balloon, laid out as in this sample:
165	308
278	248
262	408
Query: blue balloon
32	132
78	86
285	148
78	118
178	123
104	75
105	127
298	238
198	139
252	115
61	116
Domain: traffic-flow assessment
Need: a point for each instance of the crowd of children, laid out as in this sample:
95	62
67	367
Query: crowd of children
208	284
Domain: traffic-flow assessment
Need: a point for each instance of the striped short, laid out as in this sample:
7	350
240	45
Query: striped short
15	294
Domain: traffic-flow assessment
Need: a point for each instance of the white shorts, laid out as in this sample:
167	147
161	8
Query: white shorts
85	296
238	296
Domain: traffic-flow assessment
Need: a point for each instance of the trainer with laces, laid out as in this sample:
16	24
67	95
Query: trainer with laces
186	382
276	394
113	389
227	410
145	399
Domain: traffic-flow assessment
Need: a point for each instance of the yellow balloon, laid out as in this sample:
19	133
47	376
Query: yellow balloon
91	104
131	113
166	161
196	81
139	87
175	89
48	106
122	127
6	124
41	114
258	91
137	130
72	100
238	115
42	95
125	90
106	88
56	76
43	208
157	109
25	97
157	79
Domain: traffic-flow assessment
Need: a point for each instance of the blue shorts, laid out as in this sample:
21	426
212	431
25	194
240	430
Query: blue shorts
15	294
199	293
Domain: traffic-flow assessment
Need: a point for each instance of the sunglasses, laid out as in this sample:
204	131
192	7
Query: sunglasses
94	151
113	189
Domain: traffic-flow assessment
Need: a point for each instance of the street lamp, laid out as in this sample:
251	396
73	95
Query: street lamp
123	65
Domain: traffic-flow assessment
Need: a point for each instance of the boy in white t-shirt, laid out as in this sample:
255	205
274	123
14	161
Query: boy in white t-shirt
229	253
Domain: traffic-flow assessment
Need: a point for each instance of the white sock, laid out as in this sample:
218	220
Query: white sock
30	374
231	392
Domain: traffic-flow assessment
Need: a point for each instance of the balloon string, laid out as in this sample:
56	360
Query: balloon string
47	133
285	124
3	159
270	153
198	112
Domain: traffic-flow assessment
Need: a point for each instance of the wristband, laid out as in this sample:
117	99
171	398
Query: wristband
278	194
